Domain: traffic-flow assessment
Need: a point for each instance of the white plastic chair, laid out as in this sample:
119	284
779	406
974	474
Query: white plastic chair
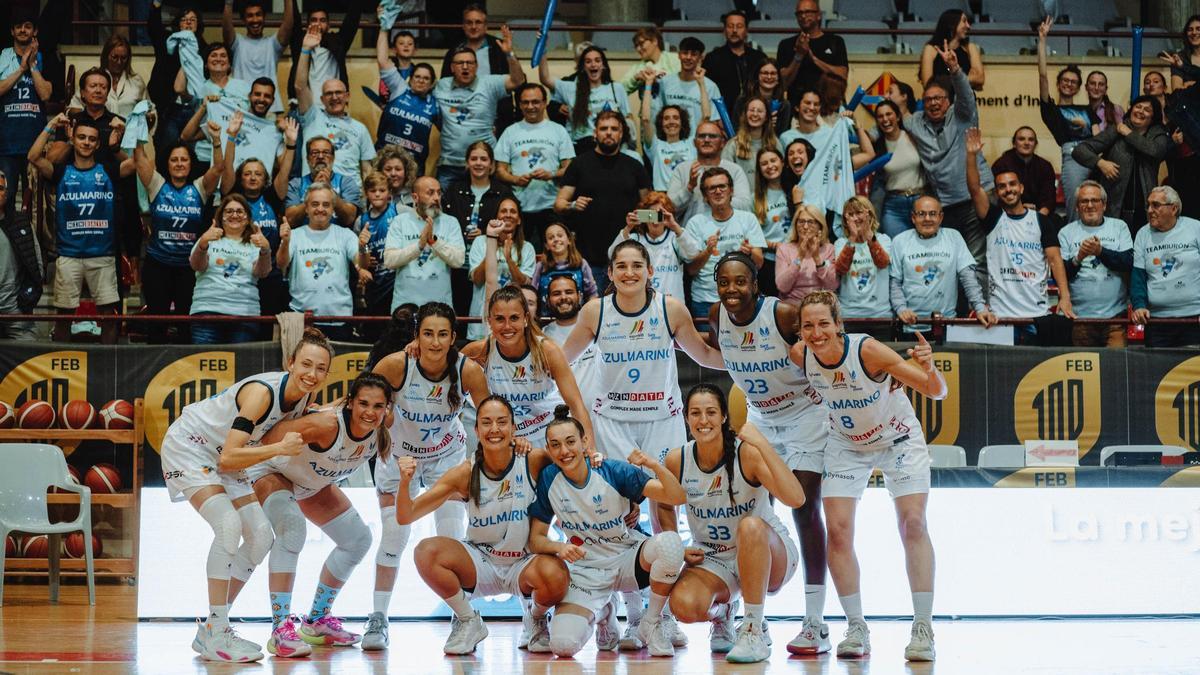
1002	456
1166	450
31	468
947	456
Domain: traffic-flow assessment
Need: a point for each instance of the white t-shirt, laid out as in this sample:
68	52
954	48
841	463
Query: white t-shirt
1172	263
1097	292
426	279
258	57
1017	267
526	147
475	259
351	140
928	269
468	114
864	290
741	225
319	272
228	285
235	93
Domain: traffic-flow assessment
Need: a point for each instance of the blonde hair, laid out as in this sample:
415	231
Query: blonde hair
742	138
814	213
823	297
860	204
373	180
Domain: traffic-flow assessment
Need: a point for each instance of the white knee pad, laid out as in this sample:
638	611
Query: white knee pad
256	541
227	532
290	527
665	554
450	520
353	539
568	634
393	540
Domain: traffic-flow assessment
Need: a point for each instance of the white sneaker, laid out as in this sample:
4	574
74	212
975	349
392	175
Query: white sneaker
678	637
750	646
721	634
225	645
653	631
920	647
465	635
608	630
767	633
630	640
201	636
857	641
526	627
813	638
539	639
375	636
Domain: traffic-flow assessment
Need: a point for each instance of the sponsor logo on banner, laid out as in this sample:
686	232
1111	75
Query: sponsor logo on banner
192	378
53	377
940	419
1059	400
343	369
1177	406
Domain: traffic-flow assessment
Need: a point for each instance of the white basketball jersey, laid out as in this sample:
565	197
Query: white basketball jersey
667	263
531	391
871	414
208	421
424	424
499	524
712	518
584	367
756	356
638	377
315	468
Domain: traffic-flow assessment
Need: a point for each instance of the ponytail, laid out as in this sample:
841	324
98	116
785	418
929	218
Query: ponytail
532	332
313	336
641	249
562	415
729	439
477	462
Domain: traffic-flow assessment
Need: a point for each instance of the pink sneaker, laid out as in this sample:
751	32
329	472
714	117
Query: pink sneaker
328	631
286	643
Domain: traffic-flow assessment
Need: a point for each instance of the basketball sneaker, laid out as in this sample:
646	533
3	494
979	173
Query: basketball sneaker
465	635
539	638
920	647
653	631
720	630
813	638
630	640
674	632
751	646
225	645
327	630
608	630
201	636
284	642
766	631
857	641
526	625
375	636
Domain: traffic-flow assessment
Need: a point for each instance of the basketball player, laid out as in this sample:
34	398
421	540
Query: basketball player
860	382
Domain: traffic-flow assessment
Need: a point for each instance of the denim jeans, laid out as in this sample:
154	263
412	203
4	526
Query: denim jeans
222	332
449	175
897	214
1073	174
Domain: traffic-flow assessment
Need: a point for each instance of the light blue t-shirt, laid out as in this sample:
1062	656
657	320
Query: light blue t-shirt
526	147
665	156
609	96
741	225
686	95
478	250
258	138
928	269
1097	292
778	222
235	93
228	285
864	291
468	114
426	279
818	138
319	273
351	141
1172	263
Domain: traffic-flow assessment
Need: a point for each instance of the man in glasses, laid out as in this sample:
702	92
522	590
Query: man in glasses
1166	268
319	156
684	187
805	57
1098	253
723	228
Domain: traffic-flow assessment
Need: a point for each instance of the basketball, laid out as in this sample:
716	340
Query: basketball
8	419
117	414
35	546
73	545
103	479
35	415
77	415
10	546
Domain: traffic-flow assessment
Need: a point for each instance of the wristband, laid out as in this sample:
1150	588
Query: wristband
289	147
232	138
48	130
306	51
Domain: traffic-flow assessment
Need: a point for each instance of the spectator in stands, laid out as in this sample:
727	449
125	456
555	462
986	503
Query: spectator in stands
733	65
256	54
862	262
690	88
1185	64
902	94
85	218
402	172
221	87
1098	253
811	53
722	228
561	257
474	202
1166	269
665	140
939	132
229	259
1109	113
929	265
806	121
173	112
328	57
764	84
424	247
1036	174
492	56
319	154
372	228
318	259
952	33
23	93
754	132
515	260
176	222
903	177
1126	156
404	47
1154	84
468	105
804	263
1022	248
771	209
331	120
94	85
19	267
598	189
257	136
590	92
411	111
669	247
531	156
684	188
796	156
1068	122
648	43
128	88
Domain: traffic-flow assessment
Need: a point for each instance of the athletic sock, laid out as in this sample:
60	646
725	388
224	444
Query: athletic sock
218	617
322	601
383	599
281	608
655	607
852	606
922	606
814	602
460	605
754	612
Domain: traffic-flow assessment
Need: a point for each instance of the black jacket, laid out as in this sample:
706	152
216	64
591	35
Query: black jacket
458	201
24	244
731	72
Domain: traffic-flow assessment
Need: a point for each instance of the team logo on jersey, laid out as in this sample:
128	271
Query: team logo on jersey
1059	399
342	371
929	273
747	339
192	378
231	268
460	114
715	486
319	266
1177	405
518	373
764	332
839	379
1167	263
940	419
53	377
505	490
638	327
653	322
861	279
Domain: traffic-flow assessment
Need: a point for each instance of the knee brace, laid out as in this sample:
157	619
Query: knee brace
393	540
665	554
568	634
290	527
353	539
450	520
227	531
256	541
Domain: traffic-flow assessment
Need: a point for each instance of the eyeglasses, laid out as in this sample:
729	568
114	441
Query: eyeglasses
926	214
235	213
1157	205
335	93
320	153
462	63
935	98
720	187
708	137
807	221
1089	201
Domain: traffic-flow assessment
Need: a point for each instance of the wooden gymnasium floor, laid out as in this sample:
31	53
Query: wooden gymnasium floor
72	637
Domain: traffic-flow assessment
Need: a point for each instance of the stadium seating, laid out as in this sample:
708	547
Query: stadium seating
674	31
1004	44
930	10
863	43
947	456
912	44
525	36
1061	42
1011	11
703	10
618	41
1002	456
